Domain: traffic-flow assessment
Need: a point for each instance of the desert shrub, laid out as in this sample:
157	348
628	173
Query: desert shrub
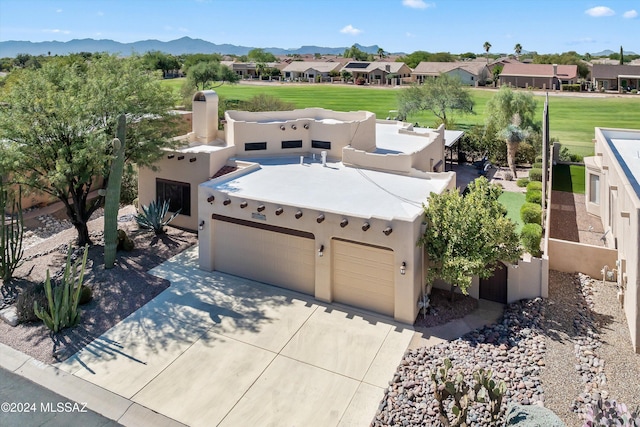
570	88
530	238
531	213
508	176
522	182
576	158
537	165
534	196
534	185
610	413
535	174
152	216
24	303
538	159
634	91
129	186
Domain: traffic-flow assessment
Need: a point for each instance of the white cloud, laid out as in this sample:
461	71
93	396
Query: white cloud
56	31
630	14
58	10
599	11
350	29
417	4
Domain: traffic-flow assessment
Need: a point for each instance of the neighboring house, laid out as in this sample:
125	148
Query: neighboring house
615	77
541	76
613	194
381	73
322	202
309	71
250	70
471	73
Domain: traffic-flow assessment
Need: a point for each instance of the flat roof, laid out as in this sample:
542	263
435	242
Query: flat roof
626	148
333	189
390	141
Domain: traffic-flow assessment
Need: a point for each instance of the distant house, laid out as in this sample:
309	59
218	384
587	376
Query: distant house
381	73
614	77
309	71
472	73
250	70
543	76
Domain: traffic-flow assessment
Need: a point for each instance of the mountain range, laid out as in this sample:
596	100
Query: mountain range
183	45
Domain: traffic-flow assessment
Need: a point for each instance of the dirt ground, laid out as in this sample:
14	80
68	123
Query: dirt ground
116	292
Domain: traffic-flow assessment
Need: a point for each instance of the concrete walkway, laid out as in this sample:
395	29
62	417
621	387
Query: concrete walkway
215	349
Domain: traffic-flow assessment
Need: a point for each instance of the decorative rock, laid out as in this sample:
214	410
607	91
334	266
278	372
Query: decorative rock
10	315
531	416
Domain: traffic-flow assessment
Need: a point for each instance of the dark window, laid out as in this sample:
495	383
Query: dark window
177	193
321	144
292	144
253	146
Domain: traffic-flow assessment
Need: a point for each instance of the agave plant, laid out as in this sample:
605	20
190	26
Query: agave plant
152	216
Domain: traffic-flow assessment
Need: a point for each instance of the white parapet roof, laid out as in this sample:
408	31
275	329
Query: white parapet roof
334	188
626	147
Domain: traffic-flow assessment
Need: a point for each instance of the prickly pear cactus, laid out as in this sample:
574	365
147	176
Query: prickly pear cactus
112	199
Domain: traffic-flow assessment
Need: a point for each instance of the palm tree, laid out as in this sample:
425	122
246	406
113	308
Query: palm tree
381	53
518	50
486	47
513	135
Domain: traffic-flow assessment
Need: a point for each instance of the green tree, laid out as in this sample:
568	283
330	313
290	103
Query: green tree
57	123
356	54
621	56
381	53
441	96
466	236
192	59
413	59
487	46
259	55
205	75
156	60
511	117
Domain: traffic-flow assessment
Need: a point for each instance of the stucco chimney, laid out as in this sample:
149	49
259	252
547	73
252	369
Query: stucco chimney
555	70
205	116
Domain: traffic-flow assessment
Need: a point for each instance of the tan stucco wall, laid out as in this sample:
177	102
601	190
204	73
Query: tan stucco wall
573	257
528	279
619	211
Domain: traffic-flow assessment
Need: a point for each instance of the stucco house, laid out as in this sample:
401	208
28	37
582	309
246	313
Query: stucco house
309	71
379	72
322	202
471	73
614	77
613	194
541	76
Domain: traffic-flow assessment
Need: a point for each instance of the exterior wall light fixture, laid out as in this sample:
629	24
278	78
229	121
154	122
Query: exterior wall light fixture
403	268
201	225
260	208
321	250
387	231
210	199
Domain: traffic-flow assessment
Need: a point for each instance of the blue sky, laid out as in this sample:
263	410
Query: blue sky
454	26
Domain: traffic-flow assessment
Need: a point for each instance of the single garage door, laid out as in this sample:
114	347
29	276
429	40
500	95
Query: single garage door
363	276
273	255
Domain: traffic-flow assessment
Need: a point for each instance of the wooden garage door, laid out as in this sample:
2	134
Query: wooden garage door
272	257
363	276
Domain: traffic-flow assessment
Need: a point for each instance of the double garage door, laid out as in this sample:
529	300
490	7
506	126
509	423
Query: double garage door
270	255
361	276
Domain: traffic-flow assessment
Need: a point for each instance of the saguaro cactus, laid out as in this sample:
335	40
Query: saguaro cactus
112	198
11	233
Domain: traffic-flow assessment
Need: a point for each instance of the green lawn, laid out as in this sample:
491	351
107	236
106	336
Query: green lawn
572	118
513	202
569	178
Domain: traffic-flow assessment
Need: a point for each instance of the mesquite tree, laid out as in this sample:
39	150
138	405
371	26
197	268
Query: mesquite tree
57	123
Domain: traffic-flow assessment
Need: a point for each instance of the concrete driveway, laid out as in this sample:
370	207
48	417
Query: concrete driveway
215	349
